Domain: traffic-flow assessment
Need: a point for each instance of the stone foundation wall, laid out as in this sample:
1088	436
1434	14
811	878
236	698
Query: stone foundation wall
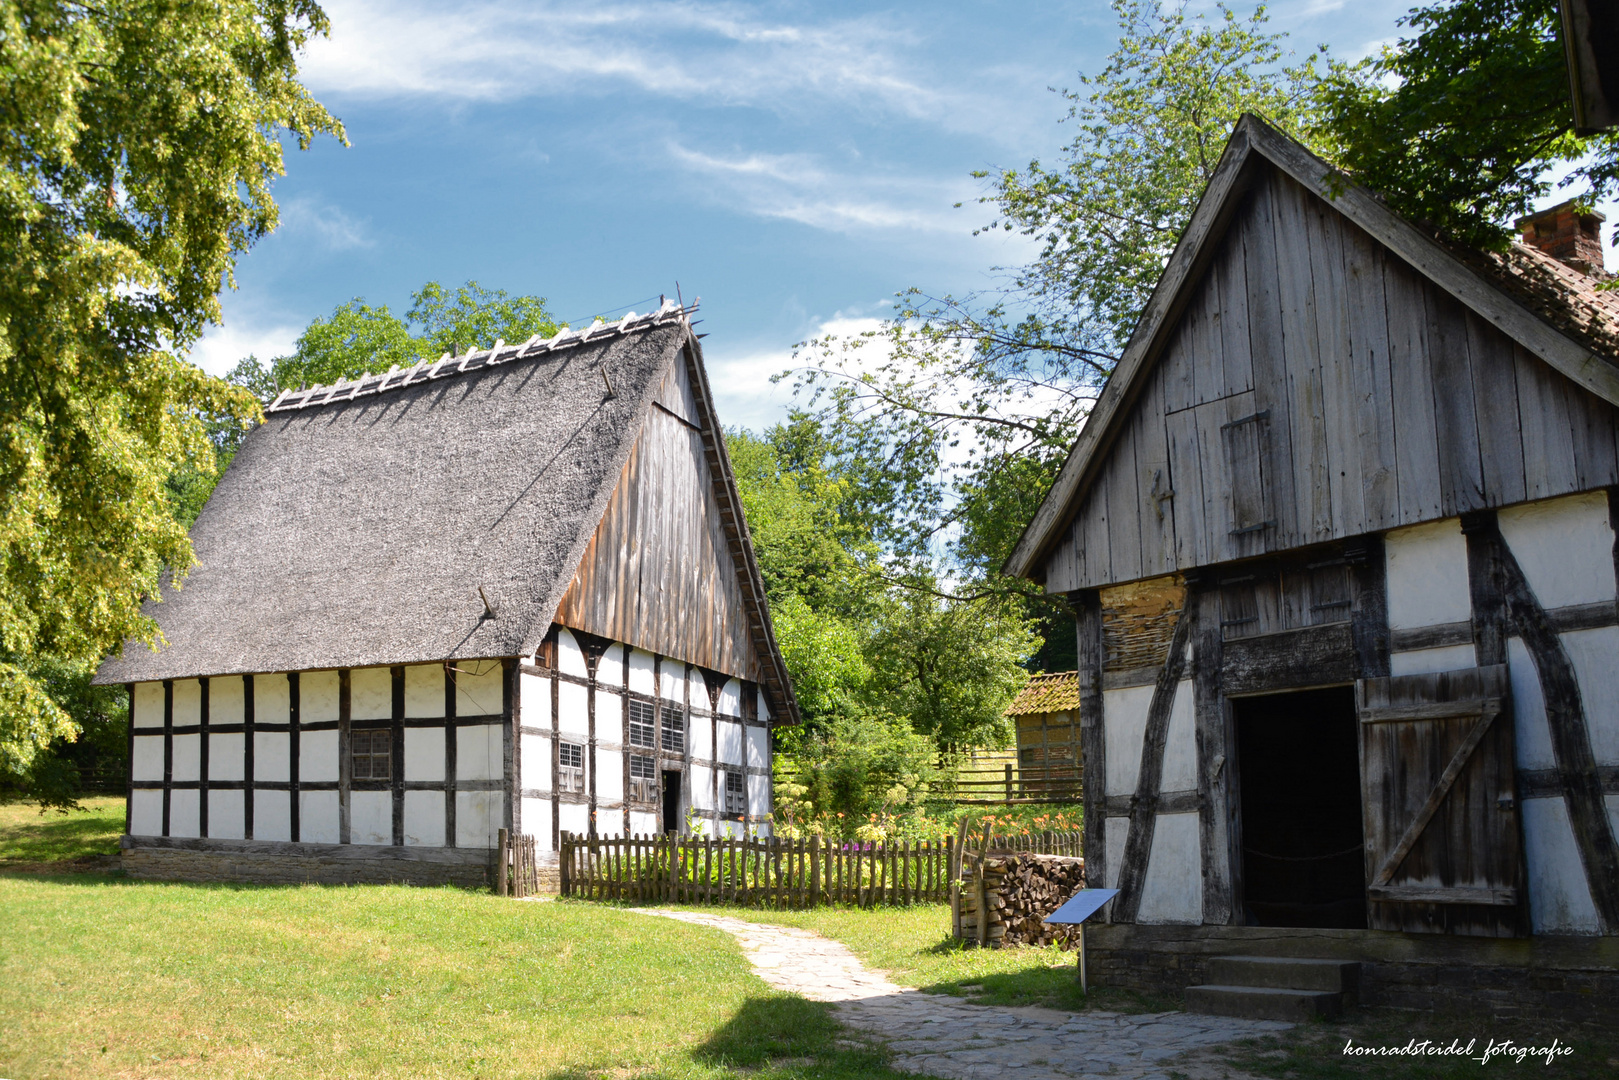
265	862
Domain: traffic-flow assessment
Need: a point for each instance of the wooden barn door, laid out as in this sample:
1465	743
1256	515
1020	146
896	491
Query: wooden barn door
1443	853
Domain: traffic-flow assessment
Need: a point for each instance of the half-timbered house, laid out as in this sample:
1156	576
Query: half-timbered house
509	589
1340	533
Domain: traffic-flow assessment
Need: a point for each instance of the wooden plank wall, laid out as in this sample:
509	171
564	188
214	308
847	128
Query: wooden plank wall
1318	388
658	574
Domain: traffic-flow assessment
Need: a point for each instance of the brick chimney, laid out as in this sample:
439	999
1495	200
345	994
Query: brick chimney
1568	235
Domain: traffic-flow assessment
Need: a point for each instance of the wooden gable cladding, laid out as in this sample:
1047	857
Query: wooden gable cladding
1315	387
659	572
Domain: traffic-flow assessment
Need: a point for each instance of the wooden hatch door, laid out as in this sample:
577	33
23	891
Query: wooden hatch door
1443	849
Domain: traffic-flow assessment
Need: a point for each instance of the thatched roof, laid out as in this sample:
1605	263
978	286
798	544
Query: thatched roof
366	524
1056	691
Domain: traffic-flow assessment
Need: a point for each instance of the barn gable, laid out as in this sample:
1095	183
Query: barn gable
1303	363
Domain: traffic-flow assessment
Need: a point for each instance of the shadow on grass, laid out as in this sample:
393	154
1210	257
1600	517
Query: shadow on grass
1043	985
53	837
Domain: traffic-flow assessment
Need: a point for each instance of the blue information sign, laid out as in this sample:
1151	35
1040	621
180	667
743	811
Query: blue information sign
1082	905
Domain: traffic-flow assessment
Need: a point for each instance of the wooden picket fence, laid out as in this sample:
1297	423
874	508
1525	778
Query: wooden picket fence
517	866
765	872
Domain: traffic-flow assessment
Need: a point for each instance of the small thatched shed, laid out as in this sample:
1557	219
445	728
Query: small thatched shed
1046	712
510	589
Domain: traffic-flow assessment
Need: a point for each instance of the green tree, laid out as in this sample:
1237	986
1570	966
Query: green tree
1459	124
139	143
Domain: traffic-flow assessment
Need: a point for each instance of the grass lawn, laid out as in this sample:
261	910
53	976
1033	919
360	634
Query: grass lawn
29	837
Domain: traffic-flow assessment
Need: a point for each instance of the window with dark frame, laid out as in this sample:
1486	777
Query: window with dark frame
736	793
570	766
643	778
371	755
674	729
643	726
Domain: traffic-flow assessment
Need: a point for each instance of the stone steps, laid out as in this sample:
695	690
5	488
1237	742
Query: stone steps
1276	988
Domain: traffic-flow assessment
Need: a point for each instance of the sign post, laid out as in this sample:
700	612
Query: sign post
1081	906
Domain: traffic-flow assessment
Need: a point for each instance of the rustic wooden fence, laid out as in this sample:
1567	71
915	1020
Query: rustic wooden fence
517	867
1008	785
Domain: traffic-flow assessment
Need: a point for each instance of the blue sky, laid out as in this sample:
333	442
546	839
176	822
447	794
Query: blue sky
795	165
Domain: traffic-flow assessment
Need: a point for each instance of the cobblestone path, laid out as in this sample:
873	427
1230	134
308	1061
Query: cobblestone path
944	1036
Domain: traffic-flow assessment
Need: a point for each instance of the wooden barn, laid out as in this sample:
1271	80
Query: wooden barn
1340	533
1046	715
510	589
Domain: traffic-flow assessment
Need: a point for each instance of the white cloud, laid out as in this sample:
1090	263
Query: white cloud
327	225
744	395
222	346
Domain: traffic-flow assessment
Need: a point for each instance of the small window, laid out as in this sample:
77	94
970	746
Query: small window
371	755
571	755
736	793
674	730
643	778
642	768
570	767
642	725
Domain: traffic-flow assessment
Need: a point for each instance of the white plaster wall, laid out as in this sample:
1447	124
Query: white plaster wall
763	706
699	690
226	814
1425	661
762	828
424	754
317	755
271	761
424	691
1180	746
272	704
730	699
272	815
537	822
184	813
146	812
672	680
148	706
1124	724
1118	830
1532	740
759	747
643	823
573	817
371	694
758	795
225	760
1565	547
609	775
187	705
702	787
478	688
371	817
570	658
477	817
424	819
1559	900
317	817
226	705
1427	575
700	729
609	715
479	754
187	758
146	762
1172	891
534	697
573	709
641	668
1595	655
610	668
730	733
536	763
317	696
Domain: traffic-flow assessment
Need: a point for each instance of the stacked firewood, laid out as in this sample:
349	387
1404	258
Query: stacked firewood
1018	892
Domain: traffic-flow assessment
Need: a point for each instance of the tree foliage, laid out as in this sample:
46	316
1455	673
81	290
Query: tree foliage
138	147
1458	124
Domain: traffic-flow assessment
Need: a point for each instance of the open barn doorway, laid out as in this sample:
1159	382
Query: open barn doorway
1299	779
671	800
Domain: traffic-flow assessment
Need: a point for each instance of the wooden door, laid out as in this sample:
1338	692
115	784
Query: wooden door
1443	849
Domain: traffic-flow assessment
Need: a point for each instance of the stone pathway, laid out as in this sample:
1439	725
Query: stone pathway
944	1036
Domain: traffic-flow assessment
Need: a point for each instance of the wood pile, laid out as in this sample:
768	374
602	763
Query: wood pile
1018	892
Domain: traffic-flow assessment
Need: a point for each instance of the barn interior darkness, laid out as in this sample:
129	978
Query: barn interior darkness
1299	779
671	800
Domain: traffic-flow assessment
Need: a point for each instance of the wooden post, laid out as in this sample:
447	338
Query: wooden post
1084	983
500	862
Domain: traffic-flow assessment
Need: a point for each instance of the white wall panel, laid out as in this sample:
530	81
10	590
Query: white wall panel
225	759
477	816
371	817
701	730
672	680
534	697
1425	661
1532	742
570	658
573	709
758	796
1118	831
762	828
146	813
371	695
643	823
424	691
226	816
609	715
697	686
424	754
759	747
424	818
185	813
730	699
146	763
272	815
641	667
187	702
1427	575
1565	547
187	757
536	758
1124	724
609	775
574	818
148	705
271	699
226	704
271	759
317	755
1559	900
1180	747
537	822
317	696
1172	891
479	754
730	732
763	704
702	787
610	668
317	817
479	688
1595	655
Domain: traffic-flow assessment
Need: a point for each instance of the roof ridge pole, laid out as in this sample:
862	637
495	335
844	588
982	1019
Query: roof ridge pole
279	398
433	373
